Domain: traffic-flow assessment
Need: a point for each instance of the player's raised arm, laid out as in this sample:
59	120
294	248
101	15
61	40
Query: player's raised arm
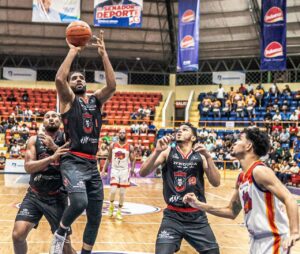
108	90
65	93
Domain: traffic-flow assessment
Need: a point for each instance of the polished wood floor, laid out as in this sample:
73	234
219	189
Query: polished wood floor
136	233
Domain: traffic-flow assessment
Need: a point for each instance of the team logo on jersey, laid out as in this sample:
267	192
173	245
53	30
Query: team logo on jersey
120	155
180	181
87	123
247	202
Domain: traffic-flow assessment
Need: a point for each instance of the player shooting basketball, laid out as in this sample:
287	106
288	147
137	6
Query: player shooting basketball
82	123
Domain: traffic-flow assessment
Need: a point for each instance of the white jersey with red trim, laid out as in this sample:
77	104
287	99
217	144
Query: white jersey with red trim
120	157
264	213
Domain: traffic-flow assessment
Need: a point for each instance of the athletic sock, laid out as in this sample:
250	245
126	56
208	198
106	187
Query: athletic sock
62	231
83	251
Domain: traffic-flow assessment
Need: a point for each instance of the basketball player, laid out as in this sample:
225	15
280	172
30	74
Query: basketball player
119	154
183	171
261	195
82	122
44	196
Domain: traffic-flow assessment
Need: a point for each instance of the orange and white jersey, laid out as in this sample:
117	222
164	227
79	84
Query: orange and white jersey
264	213
120	157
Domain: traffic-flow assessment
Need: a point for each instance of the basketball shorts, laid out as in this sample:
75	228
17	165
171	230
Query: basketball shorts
81	175
33	207
193	227
120	178
267	245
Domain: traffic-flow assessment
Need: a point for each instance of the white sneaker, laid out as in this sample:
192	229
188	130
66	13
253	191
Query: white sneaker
57	244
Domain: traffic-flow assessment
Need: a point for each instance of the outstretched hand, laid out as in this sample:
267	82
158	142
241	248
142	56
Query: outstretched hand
100	43
71	46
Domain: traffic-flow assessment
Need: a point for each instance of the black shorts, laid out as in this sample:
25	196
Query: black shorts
193	227
35	206
81	175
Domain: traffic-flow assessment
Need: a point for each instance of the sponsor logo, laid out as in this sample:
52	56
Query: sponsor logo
192	180
165	235
187	42
85	140
188	16
274	49
273	15
175	198
120	155
180	181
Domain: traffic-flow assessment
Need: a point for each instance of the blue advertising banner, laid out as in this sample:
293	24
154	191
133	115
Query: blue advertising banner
118	13
63	11
188	35
273	35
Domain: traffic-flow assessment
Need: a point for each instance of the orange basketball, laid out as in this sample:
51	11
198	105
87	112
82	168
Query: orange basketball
78	33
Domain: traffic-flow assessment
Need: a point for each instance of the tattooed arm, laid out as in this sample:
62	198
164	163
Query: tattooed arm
231	211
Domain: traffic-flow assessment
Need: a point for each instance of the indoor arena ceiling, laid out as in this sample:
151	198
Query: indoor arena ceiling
228	29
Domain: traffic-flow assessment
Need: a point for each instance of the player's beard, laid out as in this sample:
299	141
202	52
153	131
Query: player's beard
79	91
122	139
52	129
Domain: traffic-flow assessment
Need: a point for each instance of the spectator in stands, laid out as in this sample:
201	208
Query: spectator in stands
18	112
203	134
148	111
216	108
135	128
134	116
231	93
250	104
37	113
227	106
151	128
236	98
297	96
24	132
144	128
15	130
274	90
210	145
287	156
206	103
287	91
27	114
242	90
293	132
34	126
1	98
220	159
240	107
11	97
219	142
250	88
25	96
141	112
15	151
296	145
277	116
277	126
2	161
294	116
221	94
287	174
259	94
284	136
285	105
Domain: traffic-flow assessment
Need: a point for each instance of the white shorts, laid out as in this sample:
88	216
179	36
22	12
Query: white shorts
267	245
120	178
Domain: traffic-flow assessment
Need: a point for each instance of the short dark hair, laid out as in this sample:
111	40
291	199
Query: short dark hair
194	130
259	139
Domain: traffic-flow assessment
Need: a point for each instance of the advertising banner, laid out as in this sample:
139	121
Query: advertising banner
229	77
273	35
24	74
121	78
118	13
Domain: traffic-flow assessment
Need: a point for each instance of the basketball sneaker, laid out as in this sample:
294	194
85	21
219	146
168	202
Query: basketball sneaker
57	244
111	210
119	215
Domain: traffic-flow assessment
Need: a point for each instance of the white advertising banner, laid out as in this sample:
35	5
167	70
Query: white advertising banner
121	78
14	166
229	77
55	11
12	73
